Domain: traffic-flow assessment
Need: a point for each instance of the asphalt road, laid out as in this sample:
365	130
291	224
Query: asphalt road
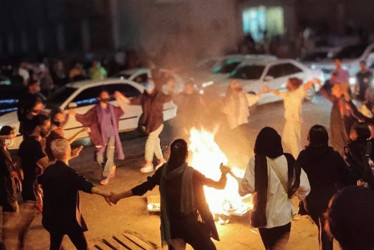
131	214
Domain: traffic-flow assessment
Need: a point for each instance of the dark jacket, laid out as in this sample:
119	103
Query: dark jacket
153	106
181	225
8	193
327	172
61	186
358	162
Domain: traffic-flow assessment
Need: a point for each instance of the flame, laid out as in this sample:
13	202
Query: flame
206	157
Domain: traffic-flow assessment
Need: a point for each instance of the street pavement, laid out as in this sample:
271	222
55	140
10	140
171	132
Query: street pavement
104	221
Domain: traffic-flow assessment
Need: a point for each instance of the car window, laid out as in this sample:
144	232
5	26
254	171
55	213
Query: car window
248	72
289	69
59	97
141	79
226	67
351	52
125	89
88	96
275	71
281	70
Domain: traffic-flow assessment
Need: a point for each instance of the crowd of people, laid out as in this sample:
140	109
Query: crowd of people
328	180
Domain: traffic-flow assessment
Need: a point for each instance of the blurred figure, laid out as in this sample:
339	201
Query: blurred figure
152	102
339	75
236	104
327	173
351	218
23	71
293	100
9	186
46	82
27	122
341	117
59	74
97	72
103	121
274	178
77	73
185	215
58	121
61	212
358	153
33	161
27	100
364	79
189	104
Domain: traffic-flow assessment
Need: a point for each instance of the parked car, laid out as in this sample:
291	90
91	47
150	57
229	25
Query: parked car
350	57
222	68
254	74
83	96
140	75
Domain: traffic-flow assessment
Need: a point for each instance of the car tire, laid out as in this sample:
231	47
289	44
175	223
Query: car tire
141	127
310	93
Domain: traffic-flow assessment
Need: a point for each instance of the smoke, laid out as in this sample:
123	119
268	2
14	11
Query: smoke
178	34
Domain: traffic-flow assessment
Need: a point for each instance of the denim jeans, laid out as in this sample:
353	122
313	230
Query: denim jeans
152	145
109	162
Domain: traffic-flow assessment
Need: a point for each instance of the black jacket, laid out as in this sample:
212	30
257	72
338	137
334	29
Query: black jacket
61	186
327	172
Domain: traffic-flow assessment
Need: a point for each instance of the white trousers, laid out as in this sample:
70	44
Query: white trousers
292	137
152	145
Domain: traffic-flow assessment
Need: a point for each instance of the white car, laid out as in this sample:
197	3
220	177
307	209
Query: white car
140	75
221	67
350	56
83	95
254	74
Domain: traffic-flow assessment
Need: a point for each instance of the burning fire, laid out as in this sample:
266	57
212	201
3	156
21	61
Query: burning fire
206	157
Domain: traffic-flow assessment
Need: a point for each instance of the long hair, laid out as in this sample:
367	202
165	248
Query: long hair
318	136
178	153
268	143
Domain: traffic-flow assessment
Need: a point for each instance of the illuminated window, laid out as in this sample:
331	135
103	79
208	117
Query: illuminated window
257	20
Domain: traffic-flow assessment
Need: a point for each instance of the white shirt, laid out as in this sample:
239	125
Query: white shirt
293	101
25	75
279	211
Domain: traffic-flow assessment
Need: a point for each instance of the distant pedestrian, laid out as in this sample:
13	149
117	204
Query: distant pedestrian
97	72
61	212
327	173
185	215
9	186
23	71
58	121
103	121
274	178
58	74
27	122
351	218
293	100
33	162
364	81
339	75
46	82
152	102
77	73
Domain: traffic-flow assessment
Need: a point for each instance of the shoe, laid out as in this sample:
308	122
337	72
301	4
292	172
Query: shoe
104	181
161	162
147	169
113	172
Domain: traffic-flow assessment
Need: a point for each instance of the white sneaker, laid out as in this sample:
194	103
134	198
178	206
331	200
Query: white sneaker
147	169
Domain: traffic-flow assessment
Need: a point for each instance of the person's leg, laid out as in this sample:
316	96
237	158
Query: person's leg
325	243
99	156
157	145
291	136
10	230
55	240
76	236
27	215
110	149
264	233
279	236
177	244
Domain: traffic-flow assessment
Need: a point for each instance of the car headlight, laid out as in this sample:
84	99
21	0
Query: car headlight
352	80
